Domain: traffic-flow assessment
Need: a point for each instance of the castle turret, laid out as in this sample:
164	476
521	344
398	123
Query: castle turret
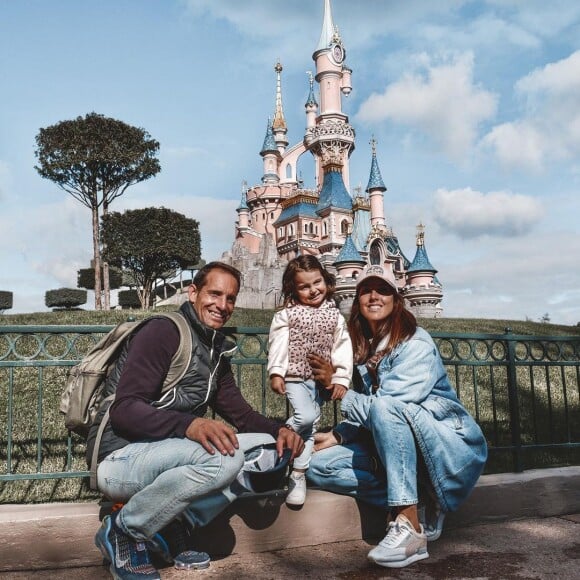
271	156
279	122
375	189
311	106
423	291
243	210
348	264
332	136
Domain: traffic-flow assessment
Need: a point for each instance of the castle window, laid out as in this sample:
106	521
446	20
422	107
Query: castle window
344	227
375	254
288	171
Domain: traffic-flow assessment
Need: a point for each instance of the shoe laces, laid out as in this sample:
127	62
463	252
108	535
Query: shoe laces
132	553
393	537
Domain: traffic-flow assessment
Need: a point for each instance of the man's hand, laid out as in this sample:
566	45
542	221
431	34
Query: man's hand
324	439
338	392
288	439
213	435
322	369
277	384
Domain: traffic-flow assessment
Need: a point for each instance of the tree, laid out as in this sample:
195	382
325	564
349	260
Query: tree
545	318
86	278
5	300
95	159
65	298
148	242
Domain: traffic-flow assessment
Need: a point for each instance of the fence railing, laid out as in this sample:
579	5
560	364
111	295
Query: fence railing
524	391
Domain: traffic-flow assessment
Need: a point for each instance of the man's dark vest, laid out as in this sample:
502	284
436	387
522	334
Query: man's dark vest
193	392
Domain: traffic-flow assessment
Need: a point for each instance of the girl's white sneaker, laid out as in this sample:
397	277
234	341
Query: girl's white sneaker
296	489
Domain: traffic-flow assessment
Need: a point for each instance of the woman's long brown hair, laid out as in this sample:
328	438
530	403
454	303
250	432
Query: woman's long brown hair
401	324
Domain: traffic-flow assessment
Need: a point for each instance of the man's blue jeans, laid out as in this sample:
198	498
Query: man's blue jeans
380	467
160	480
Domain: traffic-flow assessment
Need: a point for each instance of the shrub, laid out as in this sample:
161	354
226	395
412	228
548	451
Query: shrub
86	278
5	300
65	298
129	299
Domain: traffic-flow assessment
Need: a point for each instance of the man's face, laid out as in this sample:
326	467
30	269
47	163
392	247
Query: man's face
215	301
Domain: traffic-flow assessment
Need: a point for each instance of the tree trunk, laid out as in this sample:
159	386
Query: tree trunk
106	282
97	257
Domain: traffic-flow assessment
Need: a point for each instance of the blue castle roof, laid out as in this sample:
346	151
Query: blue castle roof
269	145
421	262
348	253
311	98
243	205
375	179
333	192
300	209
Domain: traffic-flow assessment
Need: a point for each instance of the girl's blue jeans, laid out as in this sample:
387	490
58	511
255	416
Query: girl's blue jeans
379	467
305	400
161	480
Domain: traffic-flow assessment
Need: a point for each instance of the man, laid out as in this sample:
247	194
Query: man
159	455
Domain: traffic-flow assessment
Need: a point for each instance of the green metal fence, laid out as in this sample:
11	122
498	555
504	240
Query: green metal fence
524	392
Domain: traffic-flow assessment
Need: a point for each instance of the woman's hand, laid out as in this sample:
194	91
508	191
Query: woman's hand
277	384
322	370
324	440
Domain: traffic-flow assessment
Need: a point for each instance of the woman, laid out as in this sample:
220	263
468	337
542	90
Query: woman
403	424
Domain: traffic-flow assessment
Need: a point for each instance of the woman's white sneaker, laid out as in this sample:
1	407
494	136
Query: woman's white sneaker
401	546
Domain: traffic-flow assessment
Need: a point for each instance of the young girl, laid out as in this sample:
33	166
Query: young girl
309	323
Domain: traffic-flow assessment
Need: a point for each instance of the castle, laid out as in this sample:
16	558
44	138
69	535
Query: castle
279	219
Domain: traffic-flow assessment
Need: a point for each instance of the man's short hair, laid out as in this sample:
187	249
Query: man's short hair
200	278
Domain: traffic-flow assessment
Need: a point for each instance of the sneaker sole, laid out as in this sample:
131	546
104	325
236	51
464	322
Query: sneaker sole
196	566
400	563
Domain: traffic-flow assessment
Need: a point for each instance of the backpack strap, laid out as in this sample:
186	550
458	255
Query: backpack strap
179	365
182	357
95	455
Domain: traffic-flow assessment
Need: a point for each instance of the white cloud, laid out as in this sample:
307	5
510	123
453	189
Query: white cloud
471	214
549	126
513	278
440	100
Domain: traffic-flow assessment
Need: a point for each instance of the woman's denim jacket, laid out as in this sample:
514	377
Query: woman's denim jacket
451	442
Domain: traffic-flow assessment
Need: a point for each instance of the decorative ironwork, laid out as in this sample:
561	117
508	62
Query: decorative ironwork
524	391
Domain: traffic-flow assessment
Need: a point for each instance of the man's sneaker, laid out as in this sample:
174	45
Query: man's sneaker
401	546
431	518
129	558
296	489
172	544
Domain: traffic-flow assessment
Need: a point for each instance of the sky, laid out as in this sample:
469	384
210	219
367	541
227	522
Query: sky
474	105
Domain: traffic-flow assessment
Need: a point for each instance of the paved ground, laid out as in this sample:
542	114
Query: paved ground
528	549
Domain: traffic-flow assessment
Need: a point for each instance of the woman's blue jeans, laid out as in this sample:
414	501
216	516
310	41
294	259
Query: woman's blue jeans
160	480
380	467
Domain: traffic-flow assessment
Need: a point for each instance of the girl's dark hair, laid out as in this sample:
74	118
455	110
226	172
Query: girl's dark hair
401	324
304	263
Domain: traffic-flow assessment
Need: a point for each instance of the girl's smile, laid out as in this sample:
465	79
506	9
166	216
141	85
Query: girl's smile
310	287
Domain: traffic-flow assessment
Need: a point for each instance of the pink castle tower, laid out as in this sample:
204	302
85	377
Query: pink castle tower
279	219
